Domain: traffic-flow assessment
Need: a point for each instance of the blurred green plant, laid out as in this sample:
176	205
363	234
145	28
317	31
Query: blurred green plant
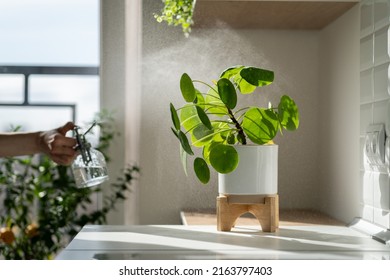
43	208
177	12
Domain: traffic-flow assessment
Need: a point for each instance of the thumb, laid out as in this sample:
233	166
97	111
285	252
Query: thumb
65	128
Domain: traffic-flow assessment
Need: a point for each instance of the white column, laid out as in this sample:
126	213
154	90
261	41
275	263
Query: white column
133	27
119	75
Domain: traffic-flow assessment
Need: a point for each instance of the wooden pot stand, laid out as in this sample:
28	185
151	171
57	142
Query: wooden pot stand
264	207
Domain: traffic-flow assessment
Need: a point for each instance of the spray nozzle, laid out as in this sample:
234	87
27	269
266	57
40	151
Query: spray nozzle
83	145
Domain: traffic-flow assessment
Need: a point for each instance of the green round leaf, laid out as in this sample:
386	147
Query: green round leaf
260	125
175	118
241	138
288	113
221	132
175	132
201	135
184	143
231	139
223	158
203	117
231	72
244	86
199	100
187	88
256	76
214	105
202	170
189	117
227	92
207	149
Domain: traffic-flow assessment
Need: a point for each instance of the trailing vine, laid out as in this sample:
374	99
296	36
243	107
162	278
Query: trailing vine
177	12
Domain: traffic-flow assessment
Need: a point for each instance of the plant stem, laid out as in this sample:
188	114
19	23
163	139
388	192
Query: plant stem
210	135
206	84
238	126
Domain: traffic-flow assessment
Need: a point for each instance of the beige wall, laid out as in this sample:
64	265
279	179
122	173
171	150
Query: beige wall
339	120
318	164
293	55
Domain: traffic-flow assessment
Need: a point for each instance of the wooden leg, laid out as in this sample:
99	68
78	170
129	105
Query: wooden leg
227	214
267	213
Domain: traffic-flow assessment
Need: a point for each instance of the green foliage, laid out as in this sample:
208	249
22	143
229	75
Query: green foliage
42	206
202	170
260	125
209	119
177	12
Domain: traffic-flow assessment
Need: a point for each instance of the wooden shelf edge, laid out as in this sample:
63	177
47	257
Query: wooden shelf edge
306	15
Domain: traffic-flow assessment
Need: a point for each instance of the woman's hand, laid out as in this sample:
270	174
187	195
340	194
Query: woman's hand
57	145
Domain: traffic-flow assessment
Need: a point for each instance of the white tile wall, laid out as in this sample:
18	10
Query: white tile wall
366	86
367	17
380	112
368	193
366	117
366	51
374	105
362	155
381	13
381	79
380	46
368	213
388	78
381	191
381	217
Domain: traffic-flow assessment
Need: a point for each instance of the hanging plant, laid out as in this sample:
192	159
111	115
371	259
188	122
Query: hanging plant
177	12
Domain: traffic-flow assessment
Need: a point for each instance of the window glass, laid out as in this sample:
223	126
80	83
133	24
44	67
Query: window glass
79	90
44	118
47	32
11	88
58	33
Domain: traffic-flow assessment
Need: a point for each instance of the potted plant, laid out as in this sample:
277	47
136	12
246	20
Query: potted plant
234	141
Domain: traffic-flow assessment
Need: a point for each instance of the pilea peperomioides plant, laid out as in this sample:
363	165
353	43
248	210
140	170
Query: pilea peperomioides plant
213	123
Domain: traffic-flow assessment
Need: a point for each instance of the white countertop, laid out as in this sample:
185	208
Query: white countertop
205	242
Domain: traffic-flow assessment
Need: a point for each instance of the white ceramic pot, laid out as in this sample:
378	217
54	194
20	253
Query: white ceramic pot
256	173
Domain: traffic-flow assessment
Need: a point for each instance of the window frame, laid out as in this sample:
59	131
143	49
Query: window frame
26	71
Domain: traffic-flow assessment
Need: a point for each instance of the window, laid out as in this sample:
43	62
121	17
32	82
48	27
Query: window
48	63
